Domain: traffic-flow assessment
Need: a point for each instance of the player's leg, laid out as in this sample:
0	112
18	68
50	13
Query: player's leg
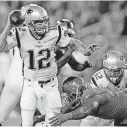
40	108
12	90
5	61
27	117
28	104
51	103
53	100
7	103
39	116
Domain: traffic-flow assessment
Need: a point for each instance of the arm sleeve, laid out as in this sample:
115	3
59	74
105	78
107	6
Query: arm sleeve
89	108
64	41
84	111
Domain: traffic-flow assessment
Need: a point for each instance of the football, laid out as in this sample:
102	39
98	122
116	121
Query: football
17	18
77	57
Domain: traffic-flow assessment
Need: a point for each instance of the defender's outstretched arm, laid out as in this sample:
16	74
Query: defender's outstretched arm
79	113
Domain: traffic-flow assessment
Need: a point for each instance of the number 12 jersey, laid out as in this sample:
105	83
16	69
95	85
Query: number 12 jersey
38	55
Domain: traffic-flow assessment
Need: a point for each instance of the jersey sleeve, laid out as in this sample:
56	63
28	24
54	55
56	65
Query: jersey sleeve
11	39
64	41
93	83
99	80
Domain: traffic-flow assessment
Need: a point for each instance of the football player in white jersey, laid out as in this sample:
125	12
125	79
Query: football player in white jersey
68	27
112	77
13	87
40	69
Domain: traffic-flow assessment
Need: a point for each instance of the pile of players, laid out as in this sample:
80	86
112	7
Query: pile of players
38	50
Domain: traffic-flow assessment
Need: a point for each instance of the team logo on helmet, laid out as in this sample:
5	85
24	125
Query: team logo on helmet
37	19
29	11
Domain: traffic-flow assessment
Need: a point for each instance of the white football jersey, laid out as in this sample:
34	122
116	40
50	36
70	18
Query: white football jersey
99	80
38	55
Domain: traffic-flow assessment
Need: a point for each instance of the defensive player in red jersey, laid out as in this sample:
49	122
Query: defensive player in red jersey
94	101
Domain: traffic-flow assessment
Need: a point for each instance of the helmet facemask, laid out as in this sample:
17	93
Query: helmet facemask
114	66
114	75
74	93
74	98
37	20
40	27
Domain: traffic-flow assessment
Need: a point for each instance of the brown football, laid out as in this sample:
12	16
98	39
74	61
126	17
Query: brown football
17	18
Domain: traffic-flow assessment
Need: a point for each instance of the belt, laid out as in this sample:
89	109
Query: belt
45	82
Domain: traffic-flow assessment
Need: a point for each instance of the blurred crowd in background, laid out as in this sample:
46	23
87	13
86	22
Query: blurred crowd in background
101	22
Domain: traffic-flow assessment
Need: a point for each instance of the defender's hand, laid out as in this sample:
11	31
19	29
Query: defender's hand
57	120
91	49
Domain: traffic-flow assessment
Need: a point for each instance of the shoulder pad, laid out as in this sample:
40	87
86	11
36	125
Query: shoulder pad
12	33
22	31
97	78
98	75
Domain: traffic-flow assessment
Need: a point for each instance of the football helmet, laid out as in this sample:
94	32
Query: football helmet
67	26
114	65
36	18
73	86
